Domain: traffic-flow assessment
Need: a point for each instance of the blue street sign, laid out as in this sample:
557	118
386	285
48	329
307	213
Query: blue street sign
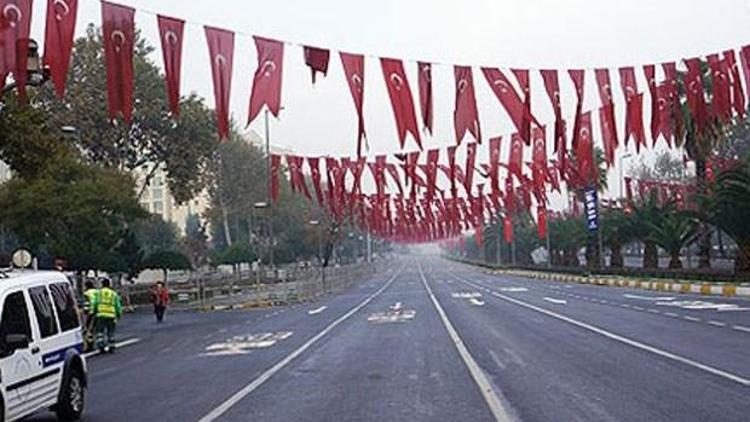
591	207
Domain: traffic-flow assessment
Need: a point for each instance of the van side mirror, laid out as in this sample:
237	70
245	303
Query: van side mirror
16	341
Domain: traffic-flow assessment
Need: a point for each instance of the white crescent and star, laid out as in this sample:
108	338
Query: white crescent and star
357	82
171	37
397	81
502	84
62	9
118	39
12	20
268	67
462	85
220	61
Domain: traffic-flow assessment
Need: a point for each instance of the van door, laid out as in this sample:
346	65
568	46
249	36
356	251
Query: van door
18	366
48	345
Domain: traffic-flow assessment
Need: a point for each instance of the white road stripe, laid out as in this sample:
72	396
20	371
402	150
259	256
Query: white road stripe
625	340
717	323
119	345
493	401
692	318
672	314
557	301
317	310
741	328
257	382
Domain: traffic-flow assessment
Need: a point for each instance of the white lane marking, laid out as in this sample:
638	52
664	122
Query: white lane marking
119	345
603	301
637	308
265	376
733	309
672	314
623	339
717	323
488	392
654	311
557	301
624	305
317	310
476	302
652	298
397	306
513	289
692	318
239	345
465	295
741	328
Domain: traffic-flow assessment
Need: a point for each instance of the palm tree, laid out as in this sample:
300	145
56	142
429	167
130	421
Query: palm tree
567	236
673	232
642	217
616	233
728	209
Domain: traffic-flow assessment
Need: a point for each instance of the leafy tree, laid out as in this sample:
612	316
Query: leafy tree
73	211
643	215
195	242
616	233
155	234
182	147
166	261
673	231
567	236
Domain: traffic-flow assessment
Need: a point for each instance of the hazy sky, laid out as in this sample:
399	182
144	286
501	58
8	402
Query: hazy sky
512	33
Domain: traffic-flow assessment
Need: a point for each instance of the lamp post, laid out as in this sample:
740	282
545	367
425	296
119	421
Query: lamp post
622	165
316	224
261	206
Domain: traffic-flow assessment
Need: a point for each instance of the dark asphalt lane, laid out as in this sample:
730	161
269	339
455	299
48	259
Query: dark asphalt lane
549	369
405	370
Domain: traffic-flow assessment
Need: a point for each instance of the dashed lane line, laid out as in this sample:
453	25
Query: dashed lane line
488	392
692	318
622	339
265	376
717	323
741	328
118	345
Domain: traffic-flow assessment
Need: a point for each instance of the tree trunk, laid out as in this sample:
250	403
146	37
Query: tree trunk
650	255
225	223
674	261
165	271
617	261
704	232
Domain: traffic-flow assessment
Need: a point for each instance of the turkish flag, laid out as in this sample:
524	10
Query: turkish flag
296	178
465	114
585	149
552	86
471	158
672	91
522	76
649	71
696	99
494	165
425	93
541	221
507	228
577	76
402	102
721	101
354	68
745	62
58	40
738	97
393	171
267	78
119	33
221	54
539	157
317	60
452	167
274	182
634	108
314	164
170	32
515	155
509	97
665	109
14	38
607	115
433	156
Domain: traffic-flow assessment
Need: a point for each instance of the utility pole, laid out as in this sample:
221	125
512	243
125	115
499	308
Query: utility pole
549	243
268	192
369	248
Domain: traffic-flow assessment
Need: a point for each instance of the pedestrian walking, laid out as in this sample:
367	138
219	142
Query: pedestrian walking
89	333
160	299
107	311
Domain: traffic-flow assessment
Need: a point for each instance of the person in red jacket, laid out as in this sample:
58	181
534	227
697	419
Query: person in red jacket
160	299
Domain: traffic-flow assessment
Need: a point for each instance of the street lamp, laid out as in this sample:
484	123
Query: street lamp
622	165
316	224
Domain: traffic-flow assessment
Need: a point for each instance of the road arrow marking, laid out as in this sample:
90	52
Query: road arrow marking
557	301
317	310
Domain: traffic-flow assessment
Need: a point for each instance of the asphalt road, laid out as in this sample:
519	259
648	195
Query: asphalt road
424	339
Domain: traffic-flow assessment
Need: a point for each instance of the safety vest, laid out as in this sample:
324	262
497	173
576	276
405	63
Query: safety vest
106	305
89	296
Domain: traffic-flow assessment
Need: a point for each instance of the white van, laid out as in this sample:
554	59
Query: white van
41	361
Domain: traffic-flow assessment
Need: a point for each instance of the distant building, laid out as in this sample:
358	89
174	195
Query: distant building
253	138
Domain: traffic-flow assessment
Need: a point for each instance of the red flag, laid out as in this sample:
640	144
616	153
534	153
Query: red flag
471	157
425	93
274	183
552	86
465	114
541	221
171	31
671	89
522	76
14	38
494	165
745	62
649	71
354	68
119	32
401	100
515	156
221	53
738	97
584	151
317	60
577	76
509	97
296	178
452	167
314	163
696	99
607	115
539	157
58	40
267	79
433	156
721	101
507	228
634	108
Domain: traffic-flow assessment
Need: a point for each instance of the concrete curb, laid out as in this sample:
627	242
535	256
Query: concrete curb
676	286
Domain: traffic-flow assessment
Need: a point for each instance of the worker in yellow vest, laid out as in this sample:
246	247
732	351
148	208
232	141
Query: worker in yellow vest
89	332
107	308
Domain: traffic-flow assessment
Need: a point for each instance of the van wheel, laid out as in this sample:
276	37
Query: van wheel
72	397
